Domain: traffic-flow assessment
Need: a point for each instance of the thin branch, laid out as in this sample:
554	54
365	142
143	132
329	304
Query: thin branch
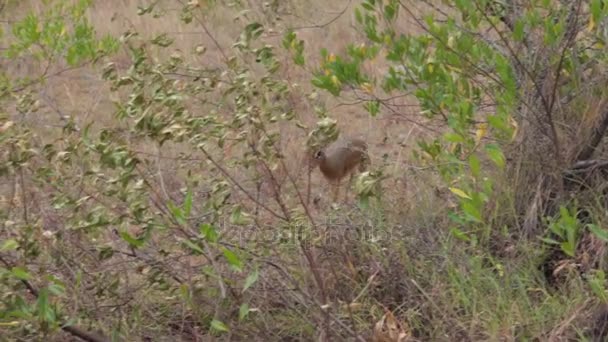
329	22
567	45
160	173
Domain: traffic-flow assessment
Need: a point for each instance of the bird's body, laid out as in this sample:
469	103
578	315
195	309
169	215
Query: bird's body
341	159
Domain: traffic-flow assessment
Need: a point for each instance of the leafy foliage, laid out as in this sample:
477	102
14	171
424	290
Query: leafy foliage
186	214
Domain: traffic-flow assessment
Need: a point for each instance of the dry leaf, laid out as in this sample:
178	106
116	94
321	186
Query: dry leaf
387	329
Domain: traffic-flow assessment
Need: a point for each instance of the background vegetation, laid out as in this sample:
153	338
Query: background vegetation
156	179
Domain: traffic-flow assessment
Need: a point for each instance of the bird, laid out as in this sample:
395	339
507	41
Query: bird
340	159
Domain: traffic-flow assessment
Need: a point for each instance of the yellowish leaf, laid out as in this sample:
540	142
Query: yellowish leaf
387	40
335	80
367	87
362	48
9	324
481	132
591	25
451	42
460	193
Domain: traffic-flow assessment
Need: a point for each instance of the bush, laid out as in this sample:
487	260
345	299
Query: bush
189	212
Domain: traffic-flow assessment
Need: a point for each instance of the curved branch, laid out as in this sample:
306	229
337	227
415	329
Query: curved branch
327	23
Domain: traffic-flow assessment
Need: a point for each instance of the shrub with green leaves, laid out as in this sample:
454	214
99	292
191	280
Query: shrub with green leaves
494	82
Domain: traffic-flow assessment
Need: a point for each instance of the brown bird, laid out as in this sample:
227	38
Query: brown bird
340	159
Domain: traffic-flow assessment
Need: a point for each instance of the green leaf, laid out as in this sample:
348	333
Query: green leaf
238	217
218	326
454	137
56	289
177	212
563	212
187	207
373	107
253	31
568	247
9	245
243	311
367	6
105	252
549	241
596	9
45	312
390	12
162	40
295	46
134	242
193	246
20	273
288	38
363	202
475	165
459	234
250	280
456	217
518	30
600	233
496	155
27	30
472	212
209	232
233	259
358	16
298	58
597	282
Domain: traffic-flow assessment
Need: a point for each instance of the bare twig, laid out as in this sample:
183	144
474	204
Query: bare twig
329	22
160	173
